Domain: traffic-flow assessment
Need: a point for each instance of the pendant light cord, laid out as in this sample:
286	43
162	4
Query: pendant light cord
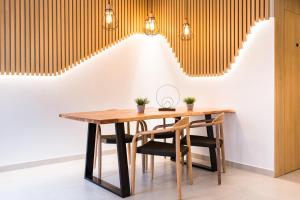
148	7
152	6
186	9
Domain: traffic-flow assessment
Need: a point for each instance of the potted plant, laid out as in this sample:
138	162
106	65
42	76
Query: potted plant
141	102
189	102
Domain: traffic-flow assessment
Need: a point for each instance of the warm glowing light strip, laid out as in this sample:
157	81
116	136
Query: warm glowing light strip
48	37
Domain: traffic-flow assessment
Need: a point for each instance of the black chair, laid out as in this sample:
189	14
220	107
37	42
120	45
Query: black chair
155	148
217	142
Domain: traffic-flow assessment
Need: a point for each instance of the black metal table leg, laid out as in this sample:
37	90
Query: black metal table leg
212	151
124	190
122	160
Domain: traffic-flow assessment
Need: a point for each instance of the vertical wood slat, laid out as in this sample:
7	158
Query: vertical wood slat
2	40
55	39
253	12
62	36
228	31
244	15
37	37
82	47
221	37
257	5
31	11
49	36
18	36
78	31
232	32
89	28
46	37
27	37
67	35
41	37
262	9
7	37
240	25
267	9
12	37
58	35
205	64
22	37
248	16
70	33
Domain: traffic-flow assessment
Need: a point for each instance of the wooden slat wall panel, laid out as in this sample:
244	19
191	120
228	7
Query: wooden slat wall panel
219	29
47	37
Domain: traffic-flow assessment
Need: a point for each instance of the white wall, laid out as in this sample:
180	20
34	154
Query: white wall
29	106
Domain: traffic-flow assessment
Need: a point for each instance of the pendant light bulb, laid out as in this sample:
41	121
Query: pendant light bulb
186	29
108	16
186	33
151	27
110	20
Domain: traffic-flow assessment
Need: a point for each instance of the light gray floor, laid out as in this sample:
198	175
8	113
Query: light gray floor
65	181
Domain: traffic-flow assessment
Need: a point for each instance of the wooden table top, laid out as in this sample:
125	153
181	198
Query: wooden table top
125	115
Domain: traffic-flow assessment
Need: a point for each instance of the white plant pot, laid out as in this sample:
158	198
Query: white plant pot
140	108
190	107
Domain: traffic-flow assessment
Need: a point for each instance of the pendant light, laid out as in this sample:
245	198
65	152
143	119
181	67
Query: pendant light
186	33
109	20
151	27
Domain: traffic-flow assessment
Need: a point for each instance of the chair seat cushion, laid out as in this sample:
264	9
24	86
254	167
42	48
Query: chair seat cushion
201	141
112	139
160	149
165	135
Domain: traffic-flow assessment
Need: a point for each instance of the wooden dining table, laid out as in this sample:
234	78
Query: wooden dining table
118	117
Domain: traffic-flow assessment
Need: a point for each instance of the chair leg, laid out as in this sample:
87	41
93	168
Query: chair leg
146	163
178	165
129	152
146	157
223	158
165	141
219	166
96	147
143	156
218	148
132	168
128	145
99	151
99	159
223	149
152	167
189	157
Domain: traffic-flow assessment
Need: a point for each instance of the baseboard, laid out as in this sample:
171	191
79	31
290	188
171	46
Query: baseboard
238	165
37	163
25	165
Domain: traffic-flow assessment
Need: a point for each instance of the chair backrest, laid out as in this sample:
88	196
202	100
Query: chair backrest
183	123
219	119
204	123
